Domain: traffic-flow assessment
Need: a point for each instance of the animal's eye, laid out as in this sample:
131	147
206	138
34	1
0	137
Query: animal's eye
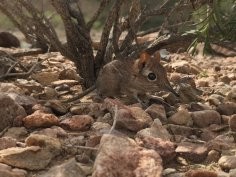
152	76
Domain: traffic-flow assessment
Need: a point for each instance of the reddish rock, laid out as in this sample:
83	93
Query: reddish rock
193	152
206	118
200	173
40	119
78	122
123	157
157	112
166	149
133	118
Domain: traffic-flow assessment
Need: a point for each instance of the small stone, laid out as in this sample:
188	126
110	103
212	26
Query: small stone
157	111
181	130
70	168
193	152
57	107
18	133
182	117
231	95
40	119
45	78
80	109
227	162
157	130
215	99
78	122
69	74
7	171
7	142
232	173
202	83
232	123
213	156
228	108
166	149
100	126
31	158
122	149
10	111
53	145
54	132
133	118
225	79
205	118
200	173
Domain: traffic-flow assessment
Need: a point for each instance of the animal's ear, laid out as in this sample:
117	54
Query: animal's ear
144	57
157	56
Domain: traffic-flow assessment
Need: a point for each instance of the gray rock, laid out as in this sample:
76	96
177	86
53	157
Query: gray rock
70	168
9	110
228	108
206	118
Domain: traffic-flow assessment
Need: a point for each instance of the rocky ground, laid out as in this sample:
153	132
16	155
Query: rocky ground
43	136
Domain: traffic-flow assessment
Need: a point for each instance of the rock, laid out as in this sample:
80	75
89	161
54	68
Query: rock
69	74
40	119
193	152
7	171
54	132
133	118
232	173
182	117
182	130
107	118
228	108
225	79
10	111
198	107
27	102
41	108
188	94
10	88
80	108
215	99
231	95
57	107
101	127
227	162
205	118
200	173
31	158
144	162
70	168
157	112
202	82
213	156
166	149
232	123
78	122
45	77
7	142
51	144
18	133
49	93
157	130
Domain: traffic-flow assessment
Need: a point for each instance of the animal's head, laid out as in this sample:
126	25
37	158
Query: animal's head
152	74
